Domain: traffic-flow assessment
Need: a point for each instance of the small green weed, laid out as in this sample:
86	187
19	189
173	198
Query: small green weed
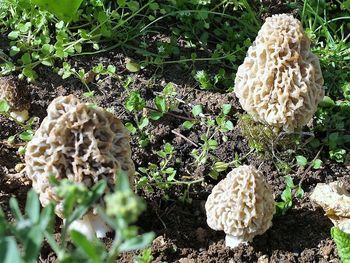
145	257
264	139
29	230
326	23
287	196
27	131
214	126
161	176
302	162
164	175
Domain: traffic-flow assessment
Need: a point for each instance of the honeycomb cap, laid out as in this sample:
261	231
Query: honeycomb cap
79	142
280	81
242	205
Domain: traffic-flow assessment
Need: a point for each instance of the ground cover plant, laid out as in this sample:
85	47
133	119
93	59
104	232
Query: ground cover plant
167	70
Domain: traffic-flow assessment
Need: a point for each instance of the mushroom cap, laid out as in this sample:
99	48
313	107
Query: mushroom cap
15	92
242	204
335	201
280	81
80	142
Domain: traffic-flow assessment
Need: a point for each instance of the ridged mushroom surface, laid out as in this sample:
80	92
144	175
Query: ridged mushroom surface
16	94
280	81
242	205
80	142
335	201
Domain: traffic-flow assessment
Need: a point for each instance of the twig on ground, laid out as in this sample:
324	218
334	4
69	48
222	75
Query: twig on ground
173	114
309	167
185	138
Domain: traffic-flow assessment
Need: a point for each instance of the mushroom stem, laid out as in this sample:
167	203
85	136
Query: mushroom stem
91	226
232	241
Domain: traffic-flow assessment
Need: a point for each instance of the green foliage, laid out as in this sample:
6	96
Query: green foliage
219	166
203	79
4	106
63	9
214	81
145	257
224	125
43	32
260	137
78	200
161	176
342	241
21	240
164	102
326	23
27	132
135	104
333	123
215	125
302	161
132	66
196	110
207	144
264	139
39	37
287	196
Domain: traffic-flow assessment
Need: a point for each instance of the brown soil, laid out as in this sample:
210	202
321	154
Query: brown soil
182	235
302	235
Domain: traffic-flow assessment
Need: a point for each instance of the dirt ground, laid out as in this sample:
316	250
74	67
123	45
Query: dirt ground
182	235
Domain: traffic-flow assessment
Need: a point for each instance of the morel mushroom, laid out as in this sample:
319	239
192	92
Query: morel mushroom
242	205
17	96
82	143
335	201
280	81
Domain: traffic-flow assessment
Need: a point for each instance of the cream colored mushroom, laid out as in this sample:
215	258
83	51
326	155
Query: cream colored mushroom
82	143
335	201
17	96
280	81
242	205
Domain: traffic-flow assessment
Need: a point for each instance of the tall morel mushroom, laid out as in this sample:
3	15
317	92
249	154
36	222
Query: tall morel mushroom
335	201
82	143
280	81
16	95
242	205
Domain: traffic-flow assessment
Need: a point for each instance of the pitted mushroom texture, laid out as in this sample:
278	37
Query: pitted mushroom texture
280	81
242	204
335	201
16	94
79	142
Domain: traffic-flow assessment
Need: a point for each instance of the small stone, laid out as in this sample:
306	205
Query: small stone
186	260
326	251
19	167
159	241
263	259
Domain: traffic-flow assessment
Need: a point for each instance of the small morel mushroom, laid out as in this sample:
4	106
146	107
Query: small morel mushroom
83	144
280	81
335	201
17	96
242	205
